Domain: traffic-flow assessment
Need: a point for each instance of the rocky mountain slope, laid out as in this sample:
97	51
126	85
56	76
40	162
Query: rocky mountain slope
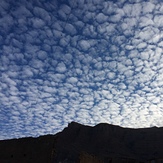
103	143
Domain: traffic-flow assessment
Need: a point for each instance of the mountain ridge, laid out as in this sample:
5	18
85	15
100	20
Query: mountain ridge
82	143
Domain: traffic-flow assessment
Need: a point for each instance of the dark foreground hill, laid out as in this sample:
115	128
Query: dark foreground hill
77	143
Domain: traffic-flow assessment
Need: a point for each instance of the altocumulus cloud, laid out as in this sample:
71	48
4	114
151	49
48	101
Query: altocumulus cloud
81	60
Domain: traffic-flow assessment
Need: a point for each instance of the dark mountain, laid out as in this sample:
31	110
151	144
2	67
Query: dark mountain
103	143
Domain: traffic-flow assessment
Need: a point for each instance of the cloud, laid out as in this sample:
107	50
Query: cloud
42	13
84	45
37	23
90	62
148	7
42	55
61	68
72	80
101	18
70	29
22	12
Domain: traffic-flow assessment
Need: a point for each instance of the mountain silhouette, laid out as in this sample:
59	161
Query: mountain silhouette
77	143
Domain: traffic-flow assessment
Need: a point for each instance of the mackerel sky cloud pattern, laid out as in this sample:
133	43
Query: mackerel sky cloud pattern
88	61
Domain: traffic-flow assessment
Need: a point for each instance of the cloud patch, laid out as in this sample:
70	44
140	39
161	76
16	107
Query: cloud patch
84	61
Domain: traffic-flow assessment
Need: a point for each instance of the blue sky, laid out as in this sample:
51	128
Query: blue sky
88	61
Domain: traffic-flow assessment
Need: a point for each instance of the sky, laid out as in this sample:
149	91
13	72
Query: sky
89	61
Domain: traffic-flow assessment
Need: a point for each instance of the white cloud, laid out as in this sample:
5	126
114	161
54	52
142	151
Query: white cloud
42	13
158	19
146	21
37	64
101	18
37	22
93	62
64	41
109	7
70	29
58	34
136	9
84	45
72	80
142	45
22	12
121	68
111	75
148	33
112	65
107	94
127	8
62	15
6	22
110	28
90	31
42	55
58	25
122	86
148	7
118	16
61	68
156	38
89	16
66	9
